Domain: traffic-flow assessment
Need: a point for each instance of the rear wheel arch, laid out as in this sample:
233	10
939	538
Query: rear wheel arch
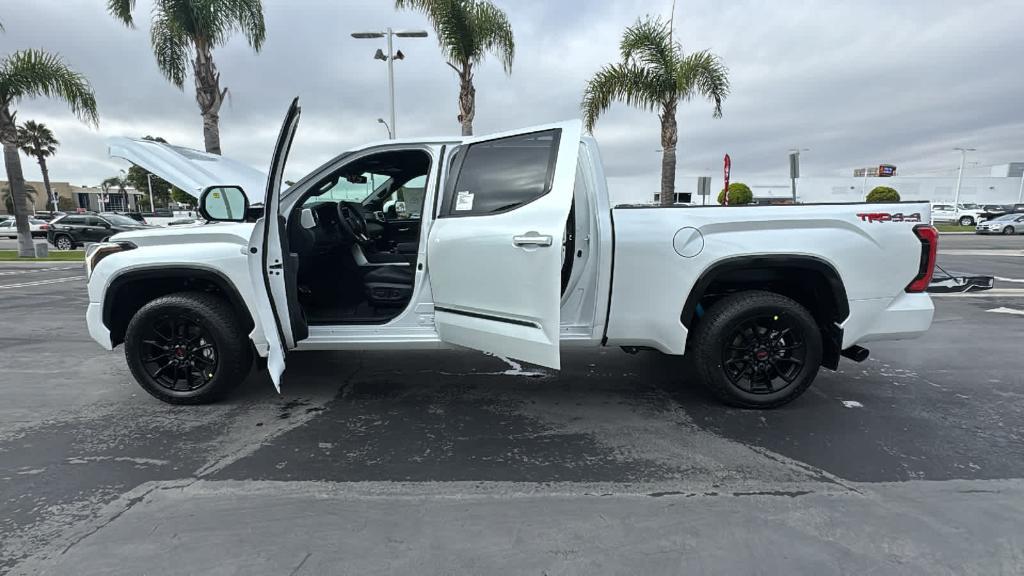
128	292
812	282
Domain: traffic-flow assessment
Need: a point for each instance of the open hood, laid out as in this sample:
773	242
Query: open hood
191	170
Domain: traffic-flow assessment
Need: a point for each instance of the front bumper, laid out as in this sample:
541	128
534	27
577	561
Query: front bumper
98	330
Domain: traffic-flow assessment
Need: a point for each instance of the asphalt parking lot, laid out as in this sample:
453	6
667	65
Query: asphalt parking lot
454	462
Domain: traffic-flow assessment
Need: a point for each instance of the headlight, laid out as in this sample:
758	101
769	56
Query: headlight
100	250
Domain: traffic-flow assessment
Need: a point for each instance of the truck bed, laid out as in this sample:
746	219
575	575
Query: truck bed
871	248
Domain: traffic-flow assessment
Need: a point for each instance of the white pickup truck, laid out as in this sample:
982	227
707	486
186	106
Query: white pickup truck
503	243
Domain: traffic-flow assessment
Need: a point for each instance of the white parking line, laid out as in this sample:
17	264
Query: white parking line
1001	279
1004	310
1014	253
41	282
994	293
51	269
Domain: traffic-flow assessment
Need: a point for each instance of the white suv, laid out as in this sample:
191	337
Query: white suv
962	214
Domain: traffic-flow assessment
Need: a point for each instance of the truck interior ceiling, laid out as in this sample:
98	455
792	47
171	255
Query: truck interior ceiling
356	235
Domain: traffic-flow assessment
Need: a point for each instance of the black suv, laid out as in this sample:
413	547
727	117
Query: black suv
73	230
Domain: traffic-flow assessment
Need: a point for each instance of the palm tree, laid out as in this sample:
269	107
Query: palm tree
467	31
31	74
37	141
655	75
120	183
184	29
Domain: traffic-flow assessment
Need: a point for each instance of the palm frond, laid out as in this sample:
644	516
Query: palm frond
467	30
32	73
247	16
171	46
703	74
624	82
649	42
122	10
493	33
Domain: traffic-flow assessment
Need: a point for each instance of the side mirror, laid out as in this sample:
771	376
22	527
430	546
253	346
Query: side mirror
223	204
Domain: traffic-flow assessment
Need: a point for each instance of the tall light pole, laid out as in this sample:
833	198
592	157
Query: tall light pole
390	59
794	167
960	174
149	184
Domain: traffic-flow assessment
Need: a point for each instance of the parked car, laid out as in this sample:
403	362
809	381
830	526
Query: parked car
73	230
137	216
1005	224
992	211
47	215
517	256
959	214
37	227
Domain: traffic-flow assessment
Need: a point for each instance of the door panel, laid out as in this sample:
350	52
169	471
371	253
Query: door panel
95	231
493	253
267	262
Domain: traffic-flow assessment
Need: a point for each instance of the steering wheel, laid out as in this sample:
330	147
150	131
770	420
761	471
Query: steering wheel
353	223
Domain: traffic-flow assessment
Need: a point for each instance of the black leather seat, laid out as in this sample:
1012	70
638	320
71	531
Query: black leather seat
389	285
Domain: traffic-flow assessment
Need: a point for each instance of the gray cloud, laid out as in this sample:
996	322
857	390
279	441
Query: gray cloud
858	83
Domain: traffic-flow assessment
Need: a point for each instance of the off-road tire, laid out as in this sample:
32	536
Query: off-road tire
217	319
715	330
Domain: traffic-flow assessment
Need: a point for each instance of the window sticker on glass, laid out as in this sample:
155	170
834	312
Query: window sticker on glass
464	200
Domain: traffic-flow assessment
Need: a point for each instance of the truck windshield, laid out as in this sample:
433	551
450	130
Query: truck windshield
352	189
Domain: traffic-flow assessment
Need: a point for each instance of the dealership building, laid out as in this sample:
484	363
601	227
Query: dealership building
1004	185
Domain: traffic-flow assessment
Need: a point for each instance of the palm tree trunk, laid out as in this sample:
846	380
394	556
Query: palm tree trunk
209	96
16	180
669	136
467	99
46	182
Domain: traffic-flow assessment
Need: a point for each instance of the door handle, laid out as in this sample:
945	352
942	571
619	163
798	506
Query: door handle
532	240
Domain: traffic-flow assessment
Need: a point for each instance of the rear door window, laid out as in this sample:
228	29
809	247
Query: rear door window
501	175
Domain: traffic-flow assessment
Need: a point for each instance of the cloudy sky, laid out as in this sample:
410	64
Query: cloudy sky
858	83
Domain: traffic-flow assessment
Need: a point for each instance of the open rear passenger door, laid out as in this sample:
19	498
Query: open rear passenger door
271	269
494	254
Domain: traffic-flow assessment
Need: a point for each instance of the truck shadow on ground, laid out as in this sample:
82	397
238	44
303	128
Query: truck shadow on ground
609	416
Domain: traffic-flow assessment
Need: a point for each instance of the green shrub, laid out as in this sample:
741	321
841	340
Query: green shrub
739	194
883	194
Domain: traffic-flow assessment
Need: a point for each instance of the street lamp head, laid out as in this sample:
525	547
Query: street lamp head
379	55
411	33
367	34
381	121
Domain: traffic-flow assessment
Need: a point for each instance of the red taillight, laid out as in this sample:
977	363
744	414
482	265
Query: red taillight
929	238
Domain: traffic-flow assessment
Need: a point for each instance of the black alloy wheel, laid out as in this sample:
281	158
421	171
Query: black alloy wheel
178	353
188	347
756	349
764	354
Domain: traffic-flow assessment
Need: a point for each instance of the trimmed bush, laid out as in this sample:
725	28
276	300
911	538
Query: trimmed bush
739	194
883	194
